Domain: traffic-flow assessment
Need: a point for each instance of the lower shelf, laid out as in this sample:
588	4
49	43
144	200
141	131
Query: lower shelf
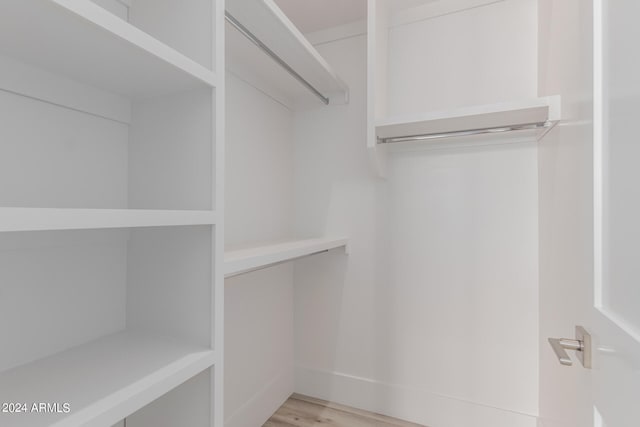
103	381
254	258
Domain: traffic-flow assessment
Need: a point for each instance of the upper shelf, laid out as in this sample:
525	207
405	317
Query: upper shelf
523	119
81	40
264	20
246	260
103	381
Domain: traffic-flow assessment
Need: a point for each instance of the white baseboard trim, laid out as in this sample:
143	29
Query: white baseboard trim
418	406
259	408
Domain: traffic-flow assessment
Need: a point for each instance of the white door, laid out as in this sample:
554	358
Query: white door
590	211
615	317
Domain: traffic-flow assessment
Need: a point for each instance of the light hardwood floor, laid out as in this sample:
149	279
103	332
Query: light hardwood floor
303	411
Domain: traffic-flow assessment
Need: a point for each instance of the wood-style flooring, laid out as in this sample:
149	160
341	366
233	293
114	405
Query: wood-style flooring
303	411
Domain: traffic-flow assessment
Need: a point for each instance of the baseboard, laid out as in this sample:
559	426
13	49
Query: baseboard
259	408
418	406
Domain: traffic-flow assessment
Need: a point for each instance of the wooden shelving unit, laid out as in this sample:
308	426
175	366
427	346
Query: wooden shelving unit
104	380
261	256
265	20
111	209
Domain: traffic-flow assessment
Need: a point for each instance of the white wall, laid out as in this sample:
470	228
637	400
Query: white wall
434	316
566	174
259	175
480	55
258	305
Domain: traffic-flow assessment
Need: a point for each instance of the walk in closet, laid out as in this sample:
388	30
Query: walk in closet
424	165
256	213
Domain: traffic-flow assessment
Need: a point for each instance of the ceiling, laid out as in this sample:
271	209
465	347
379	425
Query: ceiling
314	15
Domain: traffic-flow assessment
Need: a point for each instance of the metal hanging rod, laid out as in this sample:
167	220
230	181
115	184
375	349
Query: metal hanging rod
256	41
458	133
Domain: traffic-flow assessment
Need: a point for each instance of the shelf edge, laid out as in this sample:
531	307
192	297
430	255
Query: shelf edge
46	219
268	255
122	403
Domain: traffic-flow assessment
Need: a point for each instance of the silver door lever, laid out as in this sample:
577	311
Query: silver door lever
581	345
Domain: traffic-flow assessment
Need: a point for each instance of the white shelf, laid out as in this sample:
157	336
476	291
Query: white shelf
81	40
501	115
245	260
40	219
267	22
103	381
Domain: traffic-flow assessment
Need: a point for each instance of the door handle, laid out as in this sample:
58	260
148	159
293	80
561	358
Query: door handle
561	345
581	344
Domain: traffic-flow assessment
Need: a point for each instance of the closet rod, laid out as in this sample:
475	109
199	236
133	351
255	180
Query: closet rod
273	264
255	40
469	132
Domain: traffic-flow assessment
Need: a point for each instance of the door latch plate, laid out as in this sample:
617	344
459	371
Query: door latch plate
584	355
